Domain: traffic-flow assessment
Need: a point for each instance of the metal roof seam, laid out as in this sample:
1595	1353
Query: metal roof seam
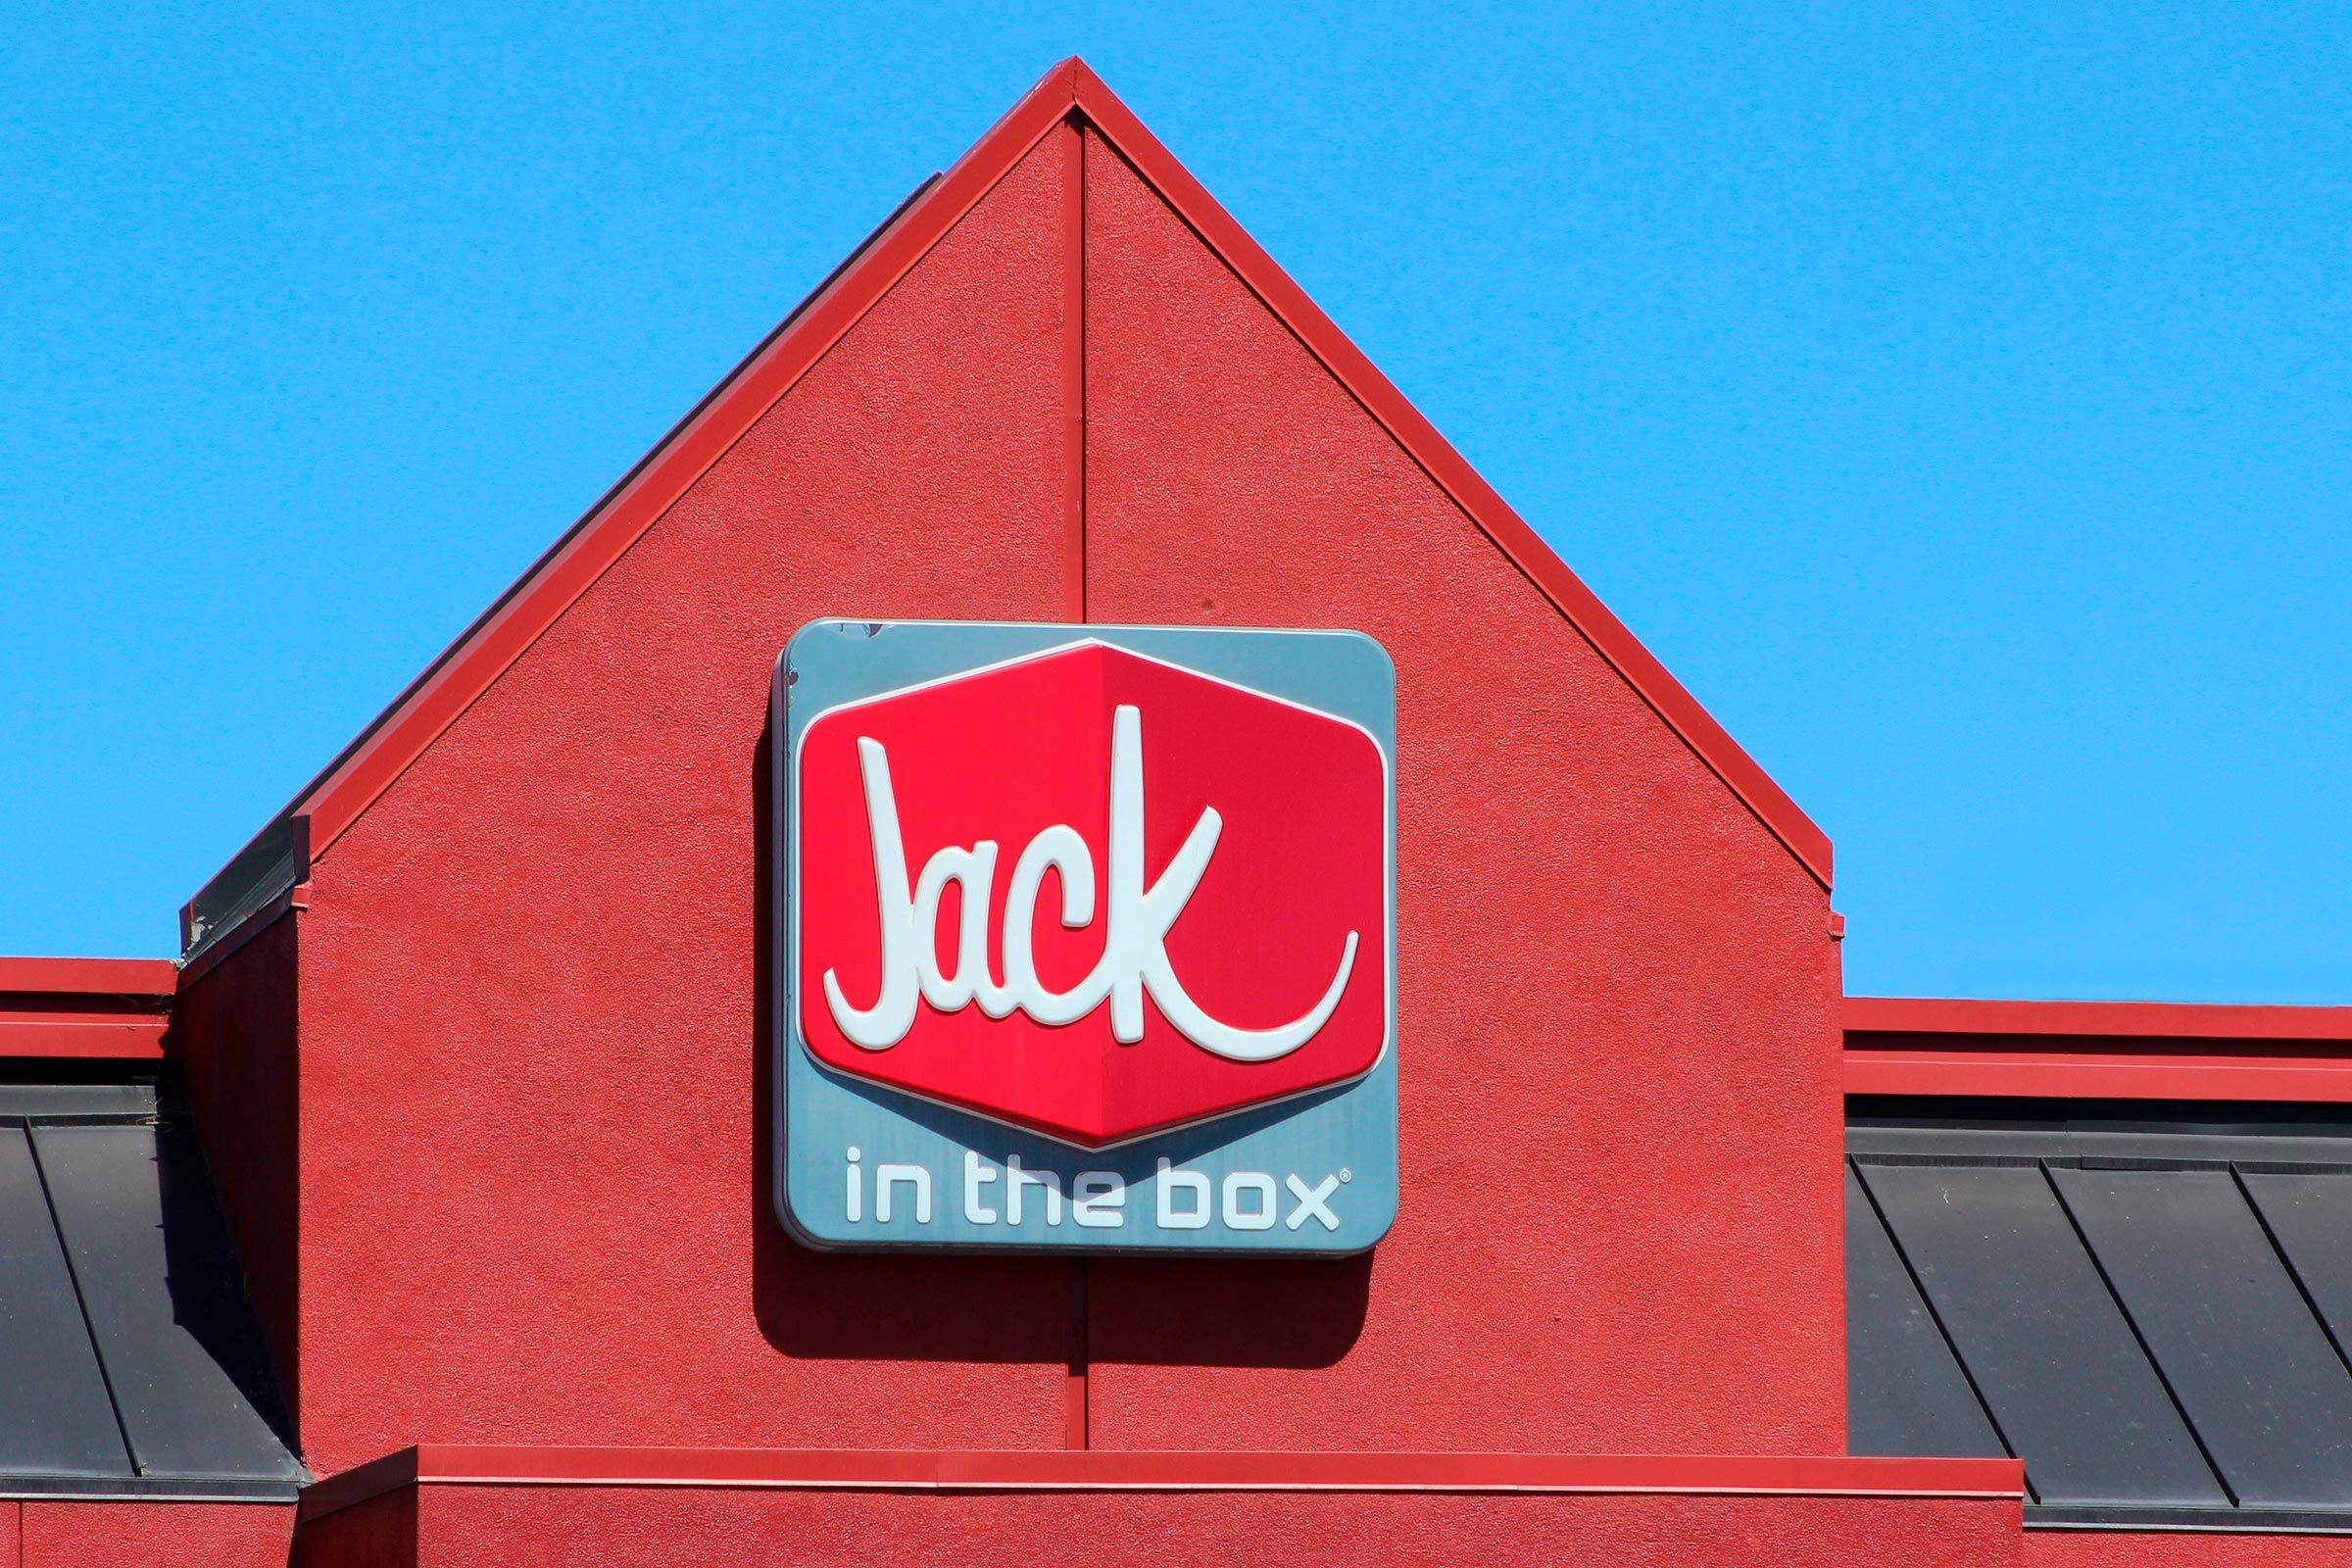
2286	1261
2139	1336
1951	1348
82	1301
2220	1270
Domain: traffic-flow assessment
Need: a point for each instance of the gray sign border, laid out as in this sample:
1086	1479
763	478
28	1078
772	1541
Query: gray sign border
1348	1129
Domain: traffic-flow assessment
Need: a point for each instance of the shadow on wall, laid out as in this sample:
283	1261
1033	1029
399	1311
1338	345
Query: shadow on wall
201	1277
1271	1312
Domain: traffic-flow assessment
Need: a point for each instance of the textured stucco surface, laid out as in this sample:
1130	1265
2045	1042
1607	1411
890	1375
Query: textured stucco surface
534	1144
152	1534
1618	1036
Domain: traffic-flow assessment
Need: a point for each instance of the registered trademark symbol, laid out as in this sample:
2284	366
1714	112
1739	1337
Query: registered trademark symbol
1347	1175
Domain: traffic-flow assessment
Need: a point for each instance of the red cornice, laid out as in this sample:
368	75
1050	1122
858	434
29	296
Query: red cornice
2168	1020
2015	1075
108	1009
335	799
90	977
1112	1471
1920	1045
58	1036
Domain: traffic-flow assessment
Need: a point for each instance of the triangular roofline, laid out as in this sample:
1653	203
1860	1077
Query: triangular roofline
279	857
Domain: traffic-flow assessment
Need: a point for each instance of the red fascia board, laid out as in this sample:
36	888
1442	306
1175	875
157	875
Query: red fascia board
118	1037
2085	1075
465	670
1921	1046
89	977
1111	1471
2120	1020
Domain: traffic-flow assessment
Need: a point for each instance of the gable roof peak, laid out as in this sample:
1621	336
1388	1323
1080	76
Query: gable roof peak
1071	90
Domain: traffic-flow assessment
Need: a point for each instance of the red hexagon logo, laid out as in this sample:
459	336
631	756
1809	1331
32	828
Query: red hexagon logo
1091	894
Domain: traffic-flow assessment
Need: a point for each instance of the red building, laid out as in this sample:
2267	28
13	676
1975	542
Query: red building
473	1040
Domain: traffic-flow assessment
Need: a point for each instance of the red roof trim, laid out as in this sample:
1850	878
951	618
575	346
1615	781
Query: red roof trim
91	977
211	954
1453	472
2097	1050
103	1009
1109	1470
2121	1075
567	573
451	685
61	1036
2165	1020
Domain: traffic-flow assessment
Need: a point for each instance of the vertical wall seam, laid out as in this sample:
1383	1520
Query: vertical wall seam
1073	369
1076	1422
1076	1388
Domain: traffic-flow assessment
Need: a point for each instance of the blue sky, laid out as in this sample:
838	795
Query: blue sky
1959	403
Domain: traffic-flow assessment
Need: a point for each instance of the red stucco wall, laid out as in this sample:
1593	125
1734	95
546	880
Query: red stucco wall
1617	993
151	1535
532	1078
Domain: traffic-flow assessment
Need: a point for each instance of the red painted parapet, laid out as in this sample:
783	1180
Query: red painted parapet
462	1505
1107	1470
74	1533
79	1008
152	978
2097	1050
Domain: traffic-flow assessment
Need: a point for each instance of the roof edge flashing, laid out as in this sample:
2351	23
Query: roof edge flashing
2137	1022
2242	1521
148	1488
276	861
1103	1471
113	985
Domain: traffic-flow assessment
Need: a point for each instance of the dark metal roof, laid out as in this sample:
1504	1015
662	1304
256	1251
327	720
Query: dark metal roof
2148	1305
129	1365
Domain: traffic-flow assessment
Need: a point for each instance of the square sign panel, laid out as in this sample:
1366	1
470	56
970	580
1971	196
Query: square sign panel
1087	938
